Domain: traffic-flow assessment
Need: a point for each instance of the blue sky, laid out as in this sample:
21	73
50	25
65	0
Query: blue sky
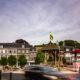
33	20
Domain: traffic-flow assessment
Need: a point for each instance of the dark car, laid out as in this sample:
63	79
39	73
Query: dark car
43	73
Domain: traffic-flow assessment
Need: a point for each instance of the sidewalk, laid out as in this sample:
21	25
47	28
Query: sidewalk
68	72
17	71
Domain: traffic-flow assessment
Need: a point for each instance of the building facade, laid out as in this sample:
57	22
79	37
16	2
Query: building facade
67	53
7	49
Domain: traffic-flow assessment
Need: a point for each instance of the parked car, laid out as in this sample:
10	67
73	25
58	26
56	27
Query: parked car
43	73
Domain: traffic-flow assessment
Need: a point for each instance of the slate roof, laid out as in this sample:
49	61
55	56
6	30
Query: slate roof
17	45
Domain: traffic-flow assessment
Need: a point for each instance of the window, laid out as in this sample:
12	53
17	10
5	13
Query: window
19	51
1	46
14	51
7	51
23	46
67	49
10	51
23	51
26	51
3	51
0	51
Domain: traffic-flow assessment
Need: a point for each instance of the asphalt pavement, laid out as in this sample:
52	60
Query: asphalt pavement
15	76
19	75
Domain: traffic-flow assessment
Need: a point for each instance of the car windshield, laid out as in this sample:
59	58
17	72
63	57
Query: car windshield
48	69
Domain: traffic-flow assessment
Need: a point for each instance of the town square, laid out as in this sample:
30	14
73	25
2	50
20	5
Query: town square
39	40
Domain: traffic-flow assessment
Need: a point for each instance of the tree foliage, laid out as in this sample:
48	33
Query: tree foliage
12	60
51	59
39	57
22	61
0	61
3	61
70	43
42	45
64	60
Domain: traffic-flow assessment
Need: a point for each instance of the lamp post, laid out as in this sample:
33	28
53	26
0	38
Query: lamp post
0	74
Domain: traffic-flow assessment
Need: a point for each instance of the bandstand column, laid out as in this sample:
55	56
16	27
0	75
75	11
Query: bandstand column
51	55
45	58
59	59
55	57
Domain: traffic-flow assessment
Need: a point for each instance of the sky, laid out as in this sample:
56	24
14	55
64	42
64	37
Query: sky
33	20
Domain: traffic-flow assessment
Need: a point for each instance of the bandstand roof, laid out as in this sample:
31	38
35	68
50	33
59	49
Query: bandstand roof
50	46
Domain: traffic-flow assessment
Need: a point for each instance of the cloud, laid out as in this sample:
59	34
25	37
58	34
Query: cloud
33	20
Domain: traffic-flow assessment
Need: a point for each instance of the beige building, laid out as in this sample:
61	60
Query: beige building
17	49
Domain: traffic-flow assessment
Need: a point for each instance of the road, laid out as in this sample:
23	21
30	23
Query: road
15	76
19	75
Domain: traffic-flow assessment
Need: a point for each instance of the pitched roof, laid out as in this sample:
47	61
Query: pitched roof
50	46
17	45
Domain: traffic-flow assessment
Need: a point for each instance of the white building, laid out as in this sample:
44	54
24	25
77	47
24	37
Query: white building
17	49
67	53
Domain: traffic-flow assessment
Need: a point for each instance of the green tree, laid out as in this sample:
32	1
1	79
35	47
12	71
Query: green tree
12	60
78	45
64	60
51	59
39	57
22	61
3	61
70	43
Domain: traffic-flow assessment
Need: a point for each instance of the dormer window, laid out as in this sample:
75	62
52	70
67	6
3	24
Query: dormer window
23	46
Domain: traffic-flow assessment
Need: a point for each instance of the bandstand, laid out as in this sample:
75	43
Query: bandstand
51	49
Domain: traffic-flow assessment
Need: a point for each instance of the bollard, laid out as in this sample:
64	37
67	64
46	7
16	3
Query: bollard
0	74
10	75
